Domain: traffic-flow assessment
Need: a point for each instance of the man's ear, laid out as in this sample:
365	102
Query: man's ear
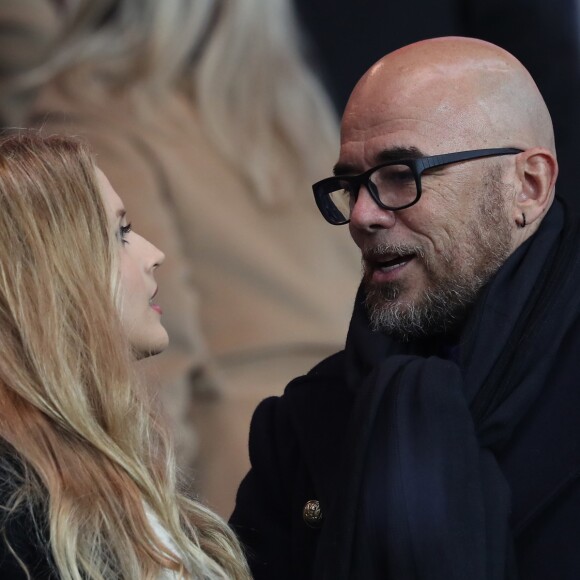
537	170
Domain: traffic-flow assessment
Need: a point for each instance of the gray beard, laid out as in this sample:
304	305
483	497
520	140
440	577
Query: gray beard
444	304
440	310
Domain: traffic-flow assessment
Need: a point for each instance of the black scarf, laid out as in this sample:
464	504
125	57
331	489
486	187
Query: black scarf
425	432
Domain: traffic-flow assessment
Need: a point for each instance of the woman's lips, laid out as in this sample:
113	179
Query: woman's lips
155	307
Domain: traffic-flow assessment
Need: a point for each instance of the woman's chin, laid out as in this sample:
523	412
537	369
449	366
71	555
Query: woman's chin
146	349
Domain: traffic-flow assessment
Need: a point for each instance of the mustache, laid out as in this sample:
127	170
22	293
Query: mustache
381	251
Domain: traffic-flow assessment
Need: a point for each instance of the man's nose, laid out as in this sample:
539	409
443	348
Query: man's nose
367	215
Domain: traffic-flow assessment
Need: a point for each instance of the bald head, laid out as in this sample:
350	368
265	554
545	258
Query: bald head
469	91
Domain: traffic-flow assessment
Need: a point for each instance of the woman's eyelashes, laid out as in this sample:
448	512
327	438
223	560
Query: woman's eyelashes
123	231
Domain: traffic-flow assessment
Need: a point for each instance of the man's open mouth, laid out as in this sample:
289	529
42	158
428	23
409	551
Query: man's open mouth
390	263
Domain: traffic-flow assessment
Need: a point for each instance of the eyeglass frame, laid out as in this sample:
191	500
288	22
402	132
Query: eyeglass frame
417	166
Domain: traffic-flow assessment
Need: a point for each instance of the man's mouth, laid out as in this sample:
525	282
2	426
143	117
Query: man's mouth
389	263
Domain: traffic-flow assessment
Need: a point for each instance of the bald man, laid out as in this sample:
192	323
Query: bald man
443	443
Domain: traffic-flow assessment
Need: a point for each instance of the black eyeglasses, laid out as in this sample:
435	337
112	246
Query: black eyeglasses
393	185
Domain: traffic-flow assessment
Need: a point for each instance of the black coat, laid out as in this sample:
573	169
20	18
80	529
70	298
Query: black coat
23	532
313	443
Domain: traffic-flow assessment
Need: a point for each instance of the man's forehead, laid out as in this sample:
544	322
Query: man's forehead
431	112
444	95
371	137
426	93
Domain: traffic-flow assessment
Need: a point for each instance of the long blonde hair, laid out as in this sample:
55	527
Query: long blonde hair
240	61
91	453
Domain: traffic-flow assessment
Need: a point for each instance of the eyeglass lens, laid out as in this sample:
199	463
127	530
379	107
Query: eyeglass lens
394	185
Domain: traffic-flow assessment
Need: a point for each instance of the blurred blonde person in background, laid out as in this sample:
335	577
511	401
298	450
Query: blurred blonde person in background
28	30
87	476
206	116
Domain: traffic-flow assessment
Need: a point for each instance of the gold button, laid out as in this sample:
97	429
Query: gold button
312	514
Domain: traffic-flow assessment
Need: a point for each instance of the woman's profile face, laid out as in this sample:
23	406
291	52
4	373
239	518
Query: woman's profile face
138	259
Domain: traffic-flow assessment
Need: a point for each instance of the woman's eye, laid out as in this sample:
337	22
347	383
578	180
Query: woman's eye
124	230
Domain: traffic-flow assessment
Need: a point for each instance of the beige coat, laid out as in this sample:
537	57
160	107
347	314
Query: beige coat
256	294
28	29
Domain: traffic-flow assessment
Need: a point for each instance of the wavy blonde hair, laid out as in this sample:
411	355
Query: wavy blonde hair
90	451
240	61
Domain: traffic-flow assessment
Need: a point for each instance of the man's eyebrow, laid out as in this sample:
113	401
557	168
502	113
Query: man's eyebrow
398	153
344	169
385	156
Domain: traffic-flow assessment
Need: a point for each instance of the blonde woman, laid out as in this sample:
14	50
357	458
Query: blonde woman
206	116
87	478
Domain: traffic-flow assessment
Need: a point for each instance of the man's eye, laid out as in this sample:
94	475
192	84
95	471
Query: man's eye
400	174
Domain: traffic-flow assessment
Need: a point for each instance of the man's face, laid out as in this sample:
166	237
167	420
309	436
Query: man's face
423	266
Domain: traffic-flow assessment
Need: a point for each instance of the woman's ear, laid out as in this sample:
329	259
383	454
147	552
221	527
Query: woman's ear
537	170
